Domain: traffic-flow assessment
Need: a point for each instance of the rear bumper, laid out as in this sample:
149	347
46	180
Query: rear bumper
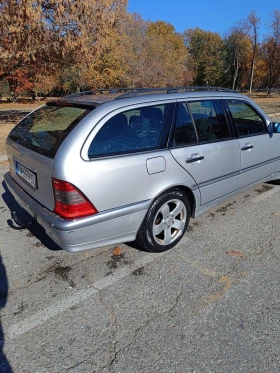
105	228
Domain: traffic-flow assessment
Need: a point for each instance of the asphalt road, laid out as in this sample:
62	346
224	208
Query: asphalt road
209	305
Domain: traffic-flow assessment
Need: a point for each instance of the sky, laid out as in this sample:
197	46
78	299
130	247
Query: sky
210	15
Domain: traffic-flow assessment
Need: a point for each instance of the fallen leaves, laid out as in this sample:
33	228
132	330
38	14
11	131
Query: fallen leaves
117	251
234	253
276	213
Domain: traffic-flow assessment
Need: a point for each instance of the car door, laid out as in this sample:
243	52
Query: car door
202	143
259	150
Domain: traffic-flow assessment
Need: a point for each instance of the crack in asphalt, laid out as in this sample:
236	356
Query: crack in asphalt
66	369
145	323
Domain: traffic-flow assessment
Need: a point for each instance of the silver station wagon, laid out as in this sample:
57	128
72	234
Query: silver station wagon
100	168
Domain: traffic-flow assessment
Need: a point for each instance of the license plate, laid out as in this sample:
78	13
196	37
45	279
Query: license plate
27	175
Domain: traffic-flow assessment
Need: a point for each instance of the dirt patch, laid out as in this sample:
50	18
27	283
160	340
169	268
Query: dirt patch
264	188
224	209
269	104
61	272
115	261
38	244
22	105
138	272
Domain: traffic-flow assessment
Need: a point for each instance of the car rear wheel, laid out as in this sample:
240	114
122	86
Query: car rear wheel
165	222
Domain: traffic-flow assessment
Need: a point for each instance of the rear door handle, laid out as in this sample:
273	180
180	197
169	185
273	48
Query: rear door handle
247	147
195	158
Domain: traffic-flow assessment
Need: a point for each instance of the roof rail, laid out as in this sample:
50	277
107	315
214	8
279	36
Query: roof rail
132	92
100	91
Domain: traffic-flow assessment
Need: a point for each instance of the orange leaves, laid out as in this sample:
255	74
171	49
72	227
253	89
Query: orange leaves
117	251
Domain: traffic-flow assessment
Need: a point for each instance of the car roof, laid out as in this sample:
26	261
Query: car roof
133	95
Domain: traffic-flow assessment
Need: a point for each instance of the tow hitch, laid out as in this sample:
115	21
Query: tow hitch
20	223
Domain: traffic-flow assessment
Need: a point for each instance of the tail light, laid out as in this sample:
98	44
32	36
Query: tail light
70	203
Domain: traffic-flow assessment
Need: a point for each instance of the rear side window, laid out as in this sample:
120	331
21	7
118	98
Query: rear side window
210	120
44	130
131	131
247	120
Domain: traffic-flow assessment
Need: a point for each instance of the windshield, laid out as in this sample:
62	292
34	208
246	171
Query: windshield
45	129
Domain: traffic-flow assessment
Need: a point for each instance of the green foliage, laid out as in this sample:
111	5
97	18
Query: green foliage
206	50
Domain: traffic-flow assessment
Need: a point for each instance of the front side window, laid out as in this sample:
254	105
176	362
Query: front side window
210	120
184	132
131	131
247	120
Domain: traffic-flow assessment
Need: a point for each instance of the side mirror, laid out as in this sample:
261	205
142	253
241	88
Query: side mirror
276	127
273	127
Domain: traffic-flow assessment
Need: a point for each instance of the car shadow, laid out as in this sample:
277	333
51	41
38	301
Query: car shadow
4	364
35	229
136	246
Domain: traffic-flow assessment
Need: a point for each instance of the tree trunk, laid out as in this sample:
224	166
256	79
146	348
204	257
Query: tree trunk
236	68
252	76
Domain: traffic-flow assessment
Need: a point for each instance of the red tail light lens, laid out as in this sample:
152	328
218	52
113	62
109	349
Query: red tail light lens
70	203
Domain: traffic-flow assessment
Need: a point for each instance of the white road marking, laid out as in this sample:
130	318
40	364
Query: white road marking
45	314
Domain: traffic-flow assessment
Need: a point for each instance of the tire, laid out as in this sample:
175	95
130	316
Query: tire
162	229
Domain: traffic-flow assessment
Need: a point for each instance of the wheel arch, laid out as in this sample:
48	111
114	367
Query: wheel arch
187	191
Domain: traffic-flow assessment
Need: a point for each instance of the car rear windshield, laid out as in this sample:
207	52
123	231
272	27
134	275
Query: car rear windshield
45	129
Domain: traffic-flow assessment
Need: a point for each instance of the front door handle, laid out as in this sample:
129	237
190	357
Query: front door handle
247	147
194	158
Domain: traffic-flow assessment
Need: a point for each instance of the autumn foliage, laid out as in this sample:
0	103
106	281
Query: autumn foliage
63	46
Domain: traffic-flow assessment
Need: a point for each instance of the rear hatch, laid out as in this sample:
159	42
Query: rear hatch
33	143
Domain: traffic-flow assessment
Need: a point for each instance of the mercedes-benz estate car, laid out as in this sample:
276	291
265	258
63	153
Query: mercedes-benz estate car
96	169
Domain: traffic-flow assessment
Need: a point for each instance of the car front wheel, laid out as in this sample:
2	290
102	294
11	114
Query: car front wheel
165	222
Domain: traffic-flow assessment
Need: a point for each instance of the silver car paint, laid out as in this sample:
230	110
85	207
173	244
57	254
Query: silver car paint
115	183
112	226
37	163
217	174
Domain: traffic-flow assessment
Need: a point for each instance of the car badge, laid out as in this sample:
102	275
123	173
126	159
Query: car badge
21	153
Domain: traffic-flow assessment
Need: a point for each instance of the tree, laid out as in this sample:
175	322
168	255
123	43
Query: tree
252	23
53	34
156	55
237	50
271	51
206	52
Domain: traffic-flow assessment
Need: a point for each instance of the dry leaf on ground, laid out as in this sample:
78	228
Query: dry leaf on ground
276	213
234	253
117	251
